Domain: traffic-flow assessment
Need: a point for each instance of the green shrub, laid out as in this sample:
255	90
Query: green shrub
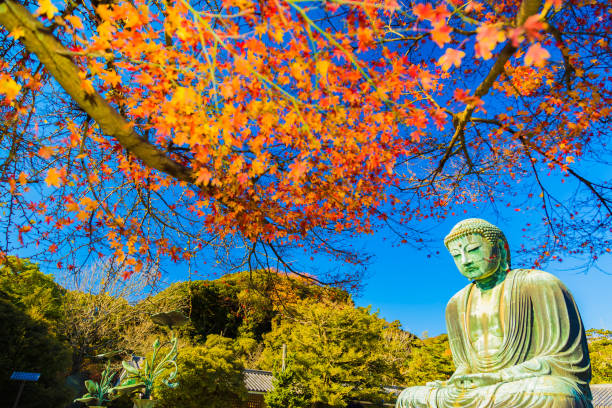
288	392
209	375
28	345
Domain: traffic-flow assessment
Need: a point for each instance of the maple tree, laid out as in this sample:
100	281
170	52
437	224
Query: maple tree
239	129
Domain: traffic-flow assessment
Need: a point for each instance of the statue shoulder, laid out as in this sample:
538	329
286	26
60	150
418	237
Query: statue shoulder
458	297
537	278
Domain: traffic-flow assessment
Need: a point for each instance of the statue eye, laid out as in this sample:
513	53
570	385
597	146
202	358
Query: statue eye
474	248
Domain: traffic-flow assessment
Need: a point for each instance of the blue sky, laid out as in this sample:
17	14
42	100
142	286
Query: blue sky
405	285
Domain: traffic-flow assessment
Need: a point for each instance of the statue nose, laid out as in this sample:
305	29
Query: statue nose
464	259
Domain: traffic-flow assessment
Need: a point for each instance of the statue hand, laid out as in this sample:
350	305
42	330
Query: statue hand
437	384
468	381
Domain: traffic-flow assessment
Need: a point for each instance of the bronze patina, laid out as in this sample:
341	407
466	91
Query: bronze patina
516	335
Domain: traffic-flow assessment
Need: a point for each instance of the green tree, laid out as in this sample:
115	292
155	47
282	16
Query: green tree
288	391
336	351
240	304
31	314
94	324
209	375
430	359
600	349
34	292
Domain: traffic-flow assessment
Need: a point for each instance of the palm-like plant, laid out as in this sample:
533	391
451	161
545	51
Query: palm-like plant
143	379
99	393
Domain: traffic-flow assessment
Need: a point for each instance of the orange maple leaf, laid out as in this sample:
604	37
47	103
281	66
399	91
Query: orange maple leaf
487	39
536	55
88	203
45	152
441	33
427	12
204	176
75	21
110	77
23	178
533	27
451	57
423	11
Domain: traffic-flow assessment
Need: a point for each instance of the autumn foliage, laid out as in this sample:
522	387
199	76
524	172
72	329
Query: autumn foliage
192	128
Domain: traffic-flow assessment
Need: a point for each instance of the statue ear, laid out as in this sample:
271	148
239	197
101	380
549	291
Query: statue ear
504	255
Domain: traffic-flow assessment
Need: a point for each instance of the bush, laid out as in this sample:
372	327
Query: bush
30	315
27	345
288	391
209	375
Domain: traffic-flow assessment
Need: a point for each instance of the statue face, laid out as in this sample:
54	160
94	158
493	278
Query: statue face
475	257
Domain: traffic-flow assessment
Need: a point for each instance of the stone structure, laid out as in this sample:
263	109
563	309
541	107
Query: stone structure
516	336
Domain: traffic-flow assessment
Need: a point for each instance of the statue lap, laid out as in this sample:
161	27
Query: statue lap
537	392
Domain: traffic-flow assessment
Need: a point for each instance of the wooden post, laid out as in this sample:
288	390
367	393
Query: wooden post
19	394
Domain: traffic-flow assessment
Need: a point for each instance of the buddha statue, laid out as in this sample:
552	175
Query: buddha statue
515	335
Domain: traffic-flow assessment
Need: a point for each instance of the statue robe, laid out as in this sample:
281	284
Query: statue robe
543	360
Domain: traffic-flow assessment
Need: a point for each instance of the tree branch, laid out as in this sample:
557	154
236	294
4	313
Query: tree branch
39	41
526	9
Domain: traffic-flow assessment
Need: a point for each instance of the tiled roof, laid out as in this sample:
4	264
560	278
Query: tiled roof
261	381
258	381
602	395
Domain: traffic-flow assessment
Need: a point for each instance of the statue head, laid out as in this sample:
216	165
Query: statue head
479	248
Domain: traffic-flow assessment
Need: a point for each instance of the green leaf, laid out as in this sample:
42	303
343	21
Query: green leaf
130	368
127	388
86	399
92	386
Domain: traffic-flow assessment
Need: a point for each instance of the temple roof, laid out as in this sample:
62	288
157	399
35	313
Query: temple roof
257	381
602	395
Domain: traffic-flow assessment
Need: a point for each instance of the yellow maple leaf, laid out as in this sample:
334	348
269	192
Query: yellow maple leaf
323	67
17	33
86	84
9	88
47	8
53	177
76	22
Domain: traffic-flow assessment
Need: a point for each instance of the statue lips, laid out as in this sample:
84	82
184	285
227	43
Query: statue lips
472	272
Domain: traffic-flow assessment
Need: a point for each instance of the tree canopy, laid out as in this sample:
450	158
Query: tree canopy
600	351
31	314
336	351
242	129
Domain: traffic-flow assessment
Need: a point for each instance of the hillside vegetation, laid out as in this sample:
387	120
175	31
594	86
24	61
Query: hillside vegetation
337	352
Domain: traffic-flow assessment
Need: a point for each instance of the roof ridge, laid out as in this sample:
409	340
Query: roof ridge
252	370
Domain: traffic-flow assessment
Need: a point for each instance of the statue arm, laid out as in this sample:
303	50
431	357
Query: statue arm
534	367
558	342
